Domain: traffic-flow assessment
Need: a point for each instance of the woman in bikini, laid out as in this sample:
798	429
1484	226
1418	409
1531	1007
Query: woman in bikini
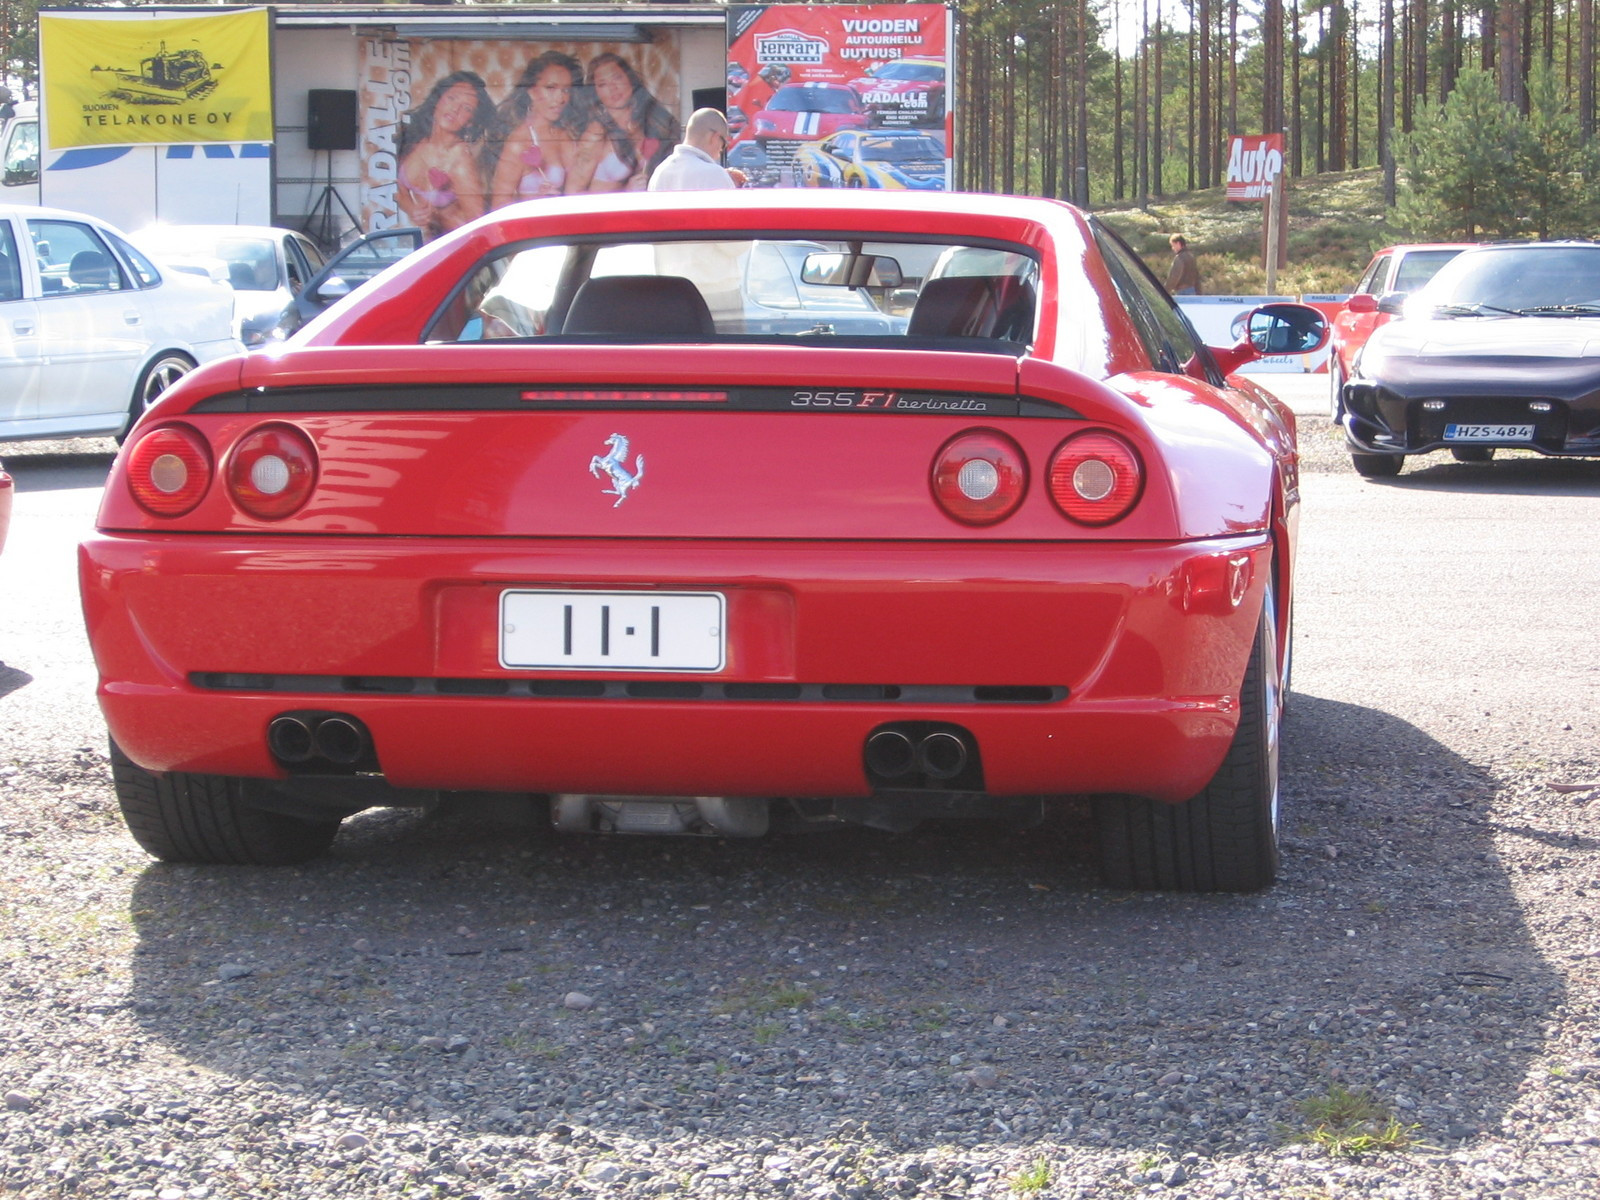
439	181
629	131
539	126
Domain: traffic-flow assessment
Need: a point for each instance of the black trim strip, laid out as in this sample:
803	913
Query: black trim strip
631	689
500	398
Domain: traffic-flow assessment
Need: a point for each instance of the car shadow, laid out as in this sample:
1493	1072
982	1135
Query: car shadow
1525	475
950	984
12	679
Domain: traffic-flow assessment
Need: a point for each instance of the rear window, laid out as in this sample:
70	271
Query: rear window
879	291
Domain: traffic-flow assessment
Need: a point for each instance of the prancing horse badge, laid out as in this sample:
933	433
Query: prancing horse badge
615	464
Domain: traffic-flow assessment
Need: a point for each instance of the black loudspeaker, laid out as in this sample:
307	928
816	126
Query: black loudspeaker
710	98
330	119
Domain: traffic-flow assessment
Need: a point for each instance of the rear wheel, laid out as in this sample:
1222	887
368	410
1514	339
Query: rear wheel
1335	388
157	378
1226	838
1472	454
1376	466
179	817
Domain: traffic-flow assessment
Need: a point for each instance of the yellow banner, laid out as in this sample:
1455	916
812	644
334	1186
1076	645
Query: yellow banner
117	80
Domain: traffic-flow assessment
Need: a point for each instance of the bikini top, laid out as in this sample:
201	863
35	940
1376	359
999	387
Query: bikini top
539	178
613	170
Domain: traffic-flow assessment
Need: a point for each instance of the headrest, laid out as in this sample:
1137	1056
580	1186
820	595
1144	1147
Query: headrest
90	268
640	305
974	306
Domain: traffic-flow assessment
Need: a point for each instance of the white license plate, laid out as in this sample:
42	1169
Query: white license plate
612	631
1488	433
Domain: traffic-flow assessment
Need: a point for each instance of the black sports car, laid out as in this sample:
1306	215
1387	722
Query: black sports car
1500	349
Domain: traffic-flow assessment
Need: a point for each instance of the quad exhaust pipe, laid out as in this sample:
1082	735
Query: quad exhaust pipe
328	739
937	755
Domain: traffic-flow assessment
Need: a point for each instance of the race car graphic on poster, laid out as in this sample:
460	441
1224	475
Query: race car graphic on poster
799	75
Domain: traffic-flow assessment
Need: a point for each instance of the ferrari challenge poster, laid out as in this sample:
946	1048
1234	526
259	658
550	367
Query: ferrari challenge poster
450	129
119	79
841	95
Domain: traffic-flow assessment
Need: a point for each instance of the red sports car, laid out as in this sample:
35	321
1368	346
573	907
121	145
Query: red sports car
538	511
908	91
7	491
1394	269
804	112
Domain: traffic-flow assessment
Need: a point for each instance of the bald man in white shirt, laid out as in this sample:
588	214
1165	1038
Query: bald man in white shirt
695	164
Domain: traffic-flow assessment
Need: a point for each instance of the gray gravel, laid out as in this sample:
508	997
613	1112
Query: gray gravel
456	1004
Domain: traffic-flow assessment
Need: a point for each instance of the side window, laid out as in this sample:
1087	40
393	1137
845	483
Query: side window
10	265
22	154
73	260
1377	276
768	279
144	271
1166	334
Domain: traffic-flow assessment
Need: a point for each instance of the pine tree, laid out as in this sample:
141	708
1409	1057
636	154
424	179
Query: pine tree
1457	164
1557	173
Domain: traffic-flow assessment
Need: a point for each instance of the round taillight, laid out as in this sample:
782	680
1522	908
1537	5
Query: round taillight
980	477
272	471
169	469
1095	478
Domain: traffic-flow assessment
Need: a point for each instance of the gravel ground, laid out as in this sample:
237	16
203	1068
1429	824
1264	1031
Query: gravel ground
456	1004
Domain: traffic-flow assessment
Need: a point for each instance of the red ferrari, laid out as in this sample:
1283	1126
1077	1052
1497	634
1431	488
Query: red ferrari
546	509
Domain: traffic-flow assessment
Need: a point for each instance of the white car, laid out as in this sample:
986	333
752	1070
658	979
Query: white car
267	266
92	331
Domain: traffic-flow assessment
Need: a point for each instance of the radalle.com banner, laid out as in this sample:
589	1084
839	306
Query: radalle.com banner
842	95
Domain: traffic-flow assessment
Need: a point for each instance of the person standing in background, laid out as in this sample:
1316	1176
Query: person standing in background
696	162
1183	277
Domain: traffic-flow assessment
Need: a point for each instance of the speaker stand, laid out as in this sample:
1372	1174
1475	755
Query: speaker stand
322	222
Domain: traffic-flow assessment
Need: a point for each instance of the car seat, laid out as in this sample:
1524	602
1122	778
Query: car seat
640	305
10	278
91	270
974	306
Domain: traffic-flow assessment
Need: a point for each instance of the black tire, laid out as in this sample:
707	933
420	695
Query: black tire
179	817
1226	838
1376	466
1472	454
155	379
1335	389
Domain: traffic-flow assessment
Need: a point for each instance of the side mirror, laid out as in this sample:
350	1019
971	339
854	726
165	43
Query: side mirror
1393	303
1362	302
1287	329
332	288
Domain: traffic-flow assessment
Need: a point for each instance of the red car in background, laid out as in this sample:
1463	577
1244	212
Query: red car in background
541	512
7	490
1393	270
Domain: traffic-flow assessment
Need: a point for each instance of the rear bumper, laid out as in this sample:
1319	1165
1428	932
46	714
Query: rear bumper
1076	668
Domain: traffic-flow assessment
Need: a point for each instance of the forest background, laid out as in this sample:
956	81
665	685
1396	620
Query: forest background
1402	119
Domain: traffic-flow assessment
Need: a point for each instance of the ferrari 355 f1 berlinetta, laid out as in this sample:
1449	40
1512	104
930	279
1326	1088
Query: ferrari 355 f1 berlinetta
542	510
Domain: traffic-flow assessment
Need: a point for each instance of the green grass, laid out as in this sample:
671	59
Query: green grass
1349	1124
1336	221
1033	1178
